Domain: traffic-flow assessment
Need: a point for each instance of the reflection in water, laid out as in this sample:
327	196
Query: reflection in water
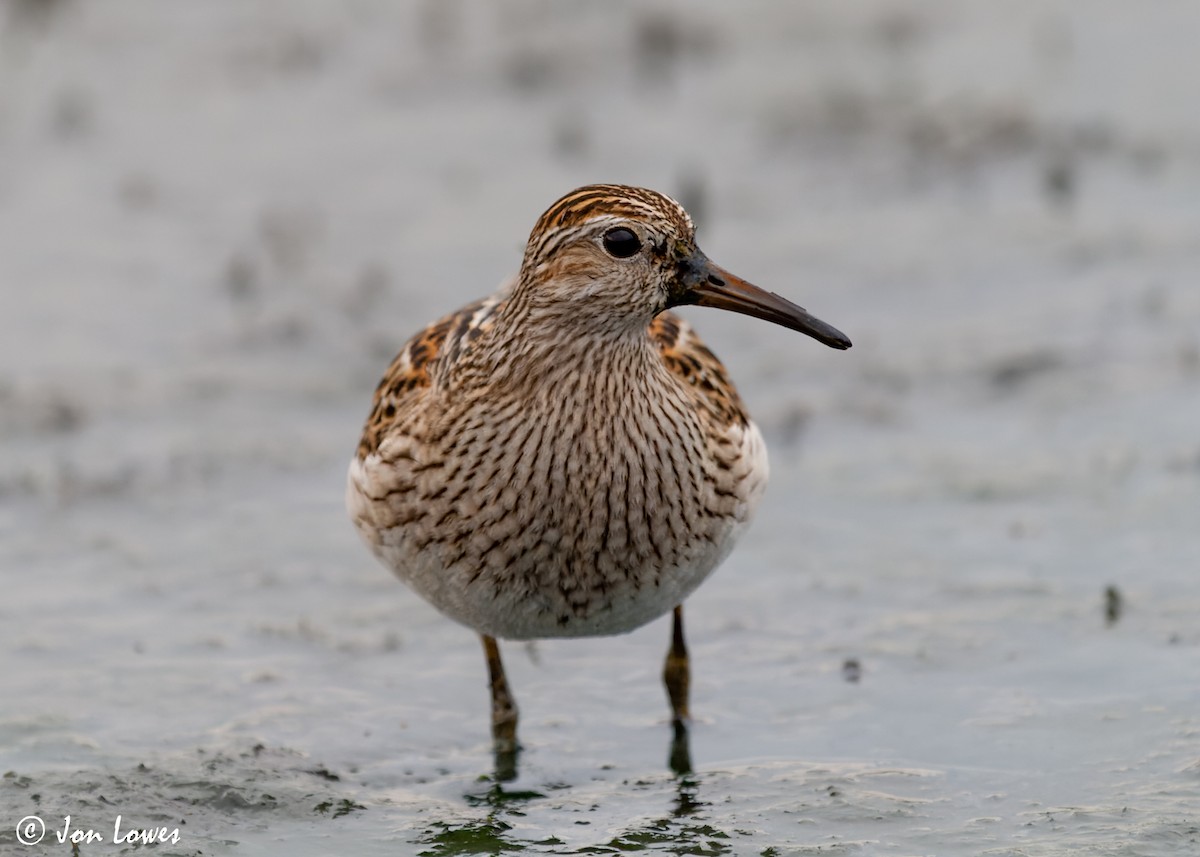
487	835
687	804
682	829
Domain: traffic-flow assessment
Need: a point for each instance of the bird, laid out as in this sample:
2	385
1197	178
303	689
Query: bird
566	457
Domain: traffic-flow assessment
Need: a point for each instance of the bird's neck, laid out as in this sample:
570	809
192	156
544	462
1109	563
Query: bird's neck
545	349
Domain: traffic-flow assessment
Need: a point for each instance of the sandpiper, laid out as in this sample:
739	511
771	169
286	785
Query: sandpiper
566	458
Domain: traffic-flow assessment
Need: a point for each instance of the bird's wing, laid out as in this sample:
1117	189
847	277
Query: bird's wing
690	361
413	369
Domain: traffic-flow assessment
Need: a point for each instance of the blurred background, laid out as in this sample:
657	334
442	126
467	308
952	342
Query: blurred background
965	621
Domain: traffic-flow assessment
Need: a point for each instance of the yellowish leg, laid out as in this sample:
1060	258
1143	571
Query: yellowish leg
676	671
504	713
677	676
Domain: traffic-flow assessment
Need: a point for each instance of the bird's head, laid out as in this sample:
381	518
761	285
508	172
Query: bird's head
613	257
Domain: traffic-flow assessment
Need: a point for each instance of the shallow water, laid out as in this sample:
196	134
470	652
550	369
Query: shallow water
218	221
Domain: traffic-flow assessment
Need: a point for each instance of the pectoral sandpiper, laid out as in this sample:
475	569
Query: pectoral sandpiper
566	458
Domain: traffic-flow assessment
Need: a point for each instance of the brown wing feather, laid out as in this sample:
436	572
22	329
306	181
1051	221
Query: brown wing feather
411	371
692	363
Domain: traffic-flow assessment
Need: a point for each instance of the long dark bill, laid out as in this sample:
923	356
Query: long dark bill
708	284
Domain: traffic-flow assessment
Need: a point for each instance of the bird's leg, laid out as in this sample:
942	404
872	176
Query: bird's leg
676	671
676	676
679	755
504	713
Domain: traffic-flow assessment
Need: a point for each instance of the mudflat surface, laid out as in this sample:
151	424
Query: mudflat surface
219	220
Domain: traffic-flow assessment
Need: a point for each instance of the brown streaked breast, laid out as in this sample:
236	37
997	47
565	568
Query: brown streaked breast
691	362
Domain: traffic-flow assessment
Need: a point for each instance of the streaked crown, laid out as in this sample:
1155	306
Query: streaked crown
616	201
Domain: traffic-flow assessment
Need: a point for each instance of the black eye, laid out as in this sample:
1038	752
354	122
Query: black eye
621	242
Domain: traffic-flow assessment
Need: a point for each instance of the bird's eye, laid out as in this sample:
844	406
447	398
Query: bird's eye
621	242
